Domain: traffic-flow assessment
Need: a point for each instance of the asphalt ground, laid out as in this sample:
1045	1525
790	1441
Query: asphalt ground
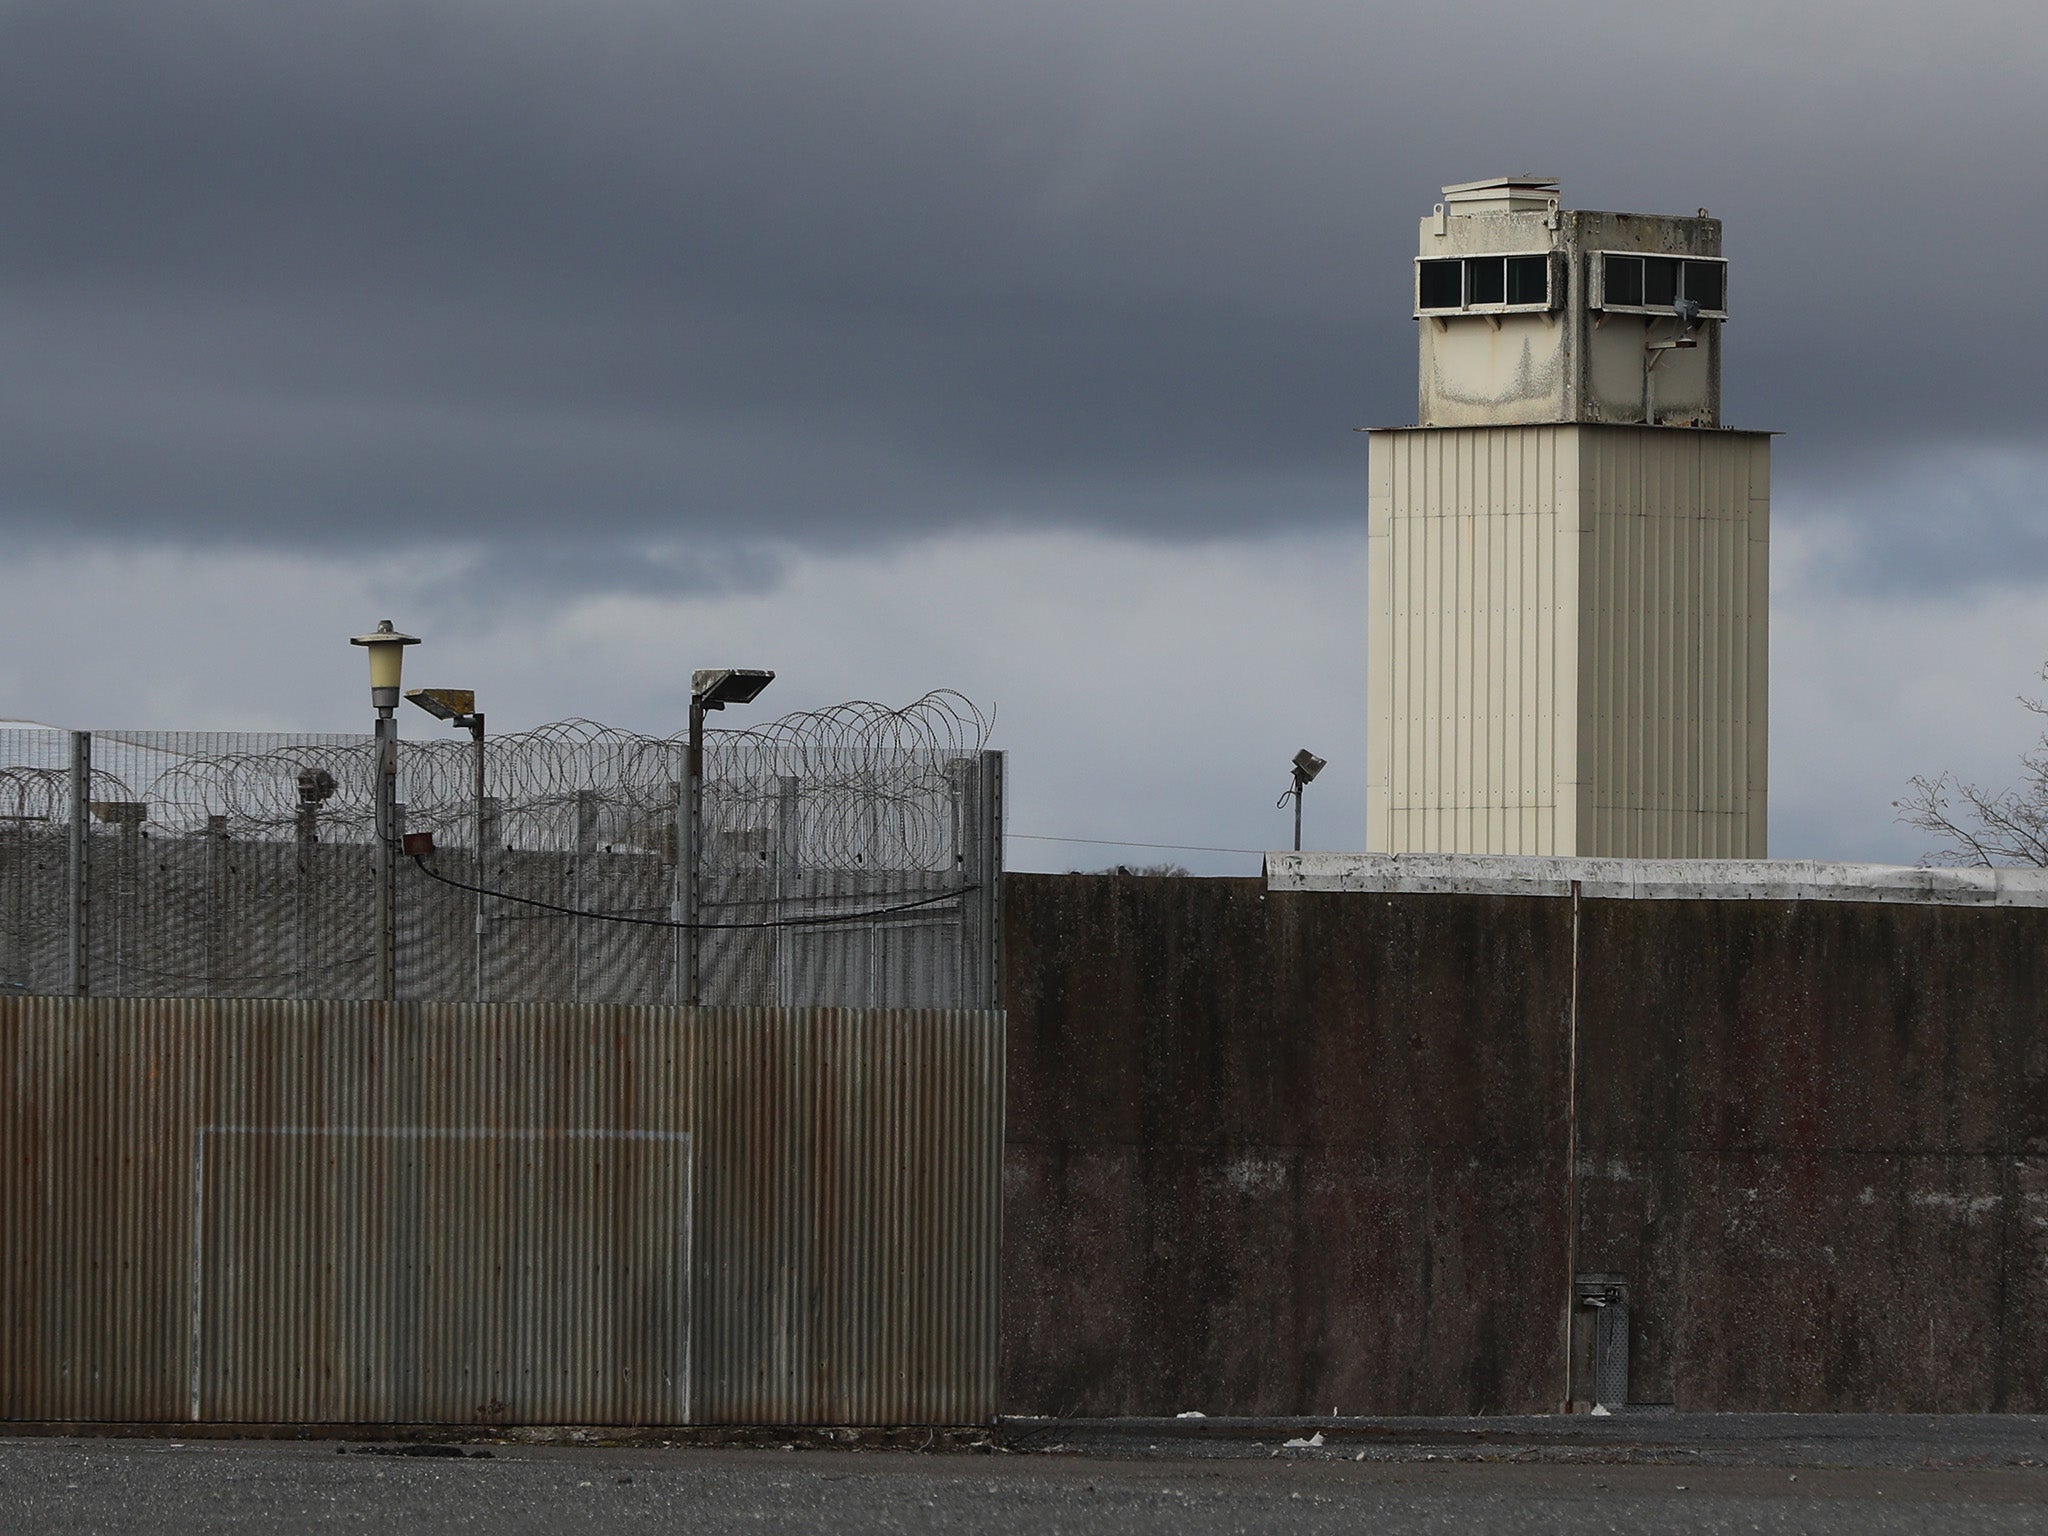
1721	1473
1789	1440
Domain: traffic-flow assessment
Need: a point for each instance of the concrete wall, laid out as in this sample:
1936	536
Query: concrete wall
1281	1154
1284	1153
1815	1137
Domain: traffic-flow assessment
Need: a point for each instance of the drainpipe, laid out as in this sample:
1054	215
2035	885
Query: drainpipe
1571	1165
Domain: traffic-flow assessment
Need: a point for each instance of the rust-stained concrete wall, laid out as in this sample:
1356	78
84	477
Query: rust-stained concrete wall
1282	1154
1815	1137
1294	1152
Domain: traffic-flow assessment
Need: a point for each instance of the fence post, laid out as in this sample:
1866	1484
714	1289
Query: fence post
393	951
79	876
579	869
788	846
487	841
483	819
679	898
988	842
303	898
216	903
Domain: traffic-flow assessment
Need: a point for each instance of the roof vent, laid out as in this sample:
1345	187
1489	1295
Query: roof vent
1503	194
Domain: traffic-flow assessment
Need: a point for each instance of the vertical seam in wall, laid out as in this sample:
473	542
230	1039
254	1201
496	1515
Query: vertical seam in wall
1571	1152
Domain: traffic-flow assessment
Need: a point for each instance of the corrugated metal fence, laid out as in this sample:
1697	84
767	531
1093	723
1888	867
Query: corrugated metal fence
342	1212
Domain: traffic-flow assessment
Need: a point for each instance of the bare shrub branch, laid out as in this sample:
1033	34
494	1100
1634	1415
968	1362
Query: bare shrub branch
1974	825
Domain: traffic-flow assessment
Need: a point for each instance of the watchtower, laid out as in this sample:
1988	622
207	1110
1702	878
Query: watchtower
1569	554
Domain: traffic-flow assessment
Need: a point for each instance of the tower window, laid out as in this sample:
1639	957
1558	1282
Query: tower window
1655	284
1624	280
1482	284
1443	285
1660	281
1706	283
1528	280
1486	280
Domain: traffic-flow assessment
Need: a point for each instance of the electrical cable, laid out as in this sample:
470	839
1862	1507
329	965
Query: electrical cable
1111	842
812	920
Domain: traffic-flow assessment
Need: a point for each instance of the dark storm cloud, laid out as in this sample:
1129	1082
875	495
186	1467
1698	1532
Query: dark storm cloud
844	272
1950	518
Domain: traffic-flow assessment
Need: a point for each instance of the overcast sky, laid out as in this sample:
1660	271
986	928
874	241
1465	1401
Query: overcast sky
898	344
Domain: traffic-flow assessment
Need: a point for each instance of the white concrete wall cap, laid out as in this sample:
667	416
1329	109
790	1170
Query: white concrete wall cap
1654	879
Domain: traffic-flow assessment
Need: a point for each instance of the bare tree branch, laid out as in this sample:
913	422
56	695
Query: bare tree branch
1974	825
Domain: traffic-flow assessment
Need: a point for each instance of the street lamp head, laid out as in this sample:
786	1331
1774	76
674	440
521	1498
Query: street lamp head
1307	765
387	659
452	704
716	687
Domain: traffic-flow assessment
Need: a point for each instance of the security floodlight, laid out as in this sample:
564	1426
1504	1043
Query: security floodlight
716	687
458	707
710	688
1306	766
316	786
454	705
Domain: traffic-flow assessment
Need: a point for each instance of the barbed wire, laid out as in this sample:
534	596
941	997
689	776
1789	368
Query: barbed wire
840	853
857	786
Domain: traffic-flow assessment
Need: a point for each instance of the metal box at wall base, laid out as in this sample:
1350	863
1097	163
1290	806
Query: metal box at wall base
1599	1342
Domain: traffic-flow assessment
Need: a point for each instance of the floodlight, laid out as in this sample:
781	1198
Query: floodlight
710	688
455	704
716	687
1306	766
316	786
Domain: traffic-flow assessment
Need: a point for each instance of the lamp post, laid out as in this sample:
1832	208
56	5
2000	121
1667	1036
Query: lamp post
316	788
458	707
1306	766
387	661
710	689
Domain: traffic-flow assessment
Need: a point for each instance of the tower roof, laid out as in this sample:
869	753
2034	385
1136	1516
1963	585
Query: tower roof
1503	194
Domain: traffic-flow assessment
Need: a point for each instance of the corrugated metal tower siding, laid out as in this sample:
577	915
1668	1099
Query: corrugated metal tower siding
1674	577
497	1213
1468	635
1569	636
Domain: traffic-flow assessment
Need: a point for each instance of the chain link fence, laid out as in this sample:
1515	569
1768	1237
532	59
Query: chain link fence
846	857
